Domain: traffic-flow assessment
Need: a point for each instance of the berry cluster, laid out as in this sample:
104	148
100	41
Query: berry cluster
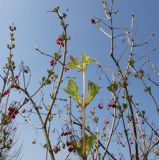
112	104
56	149
60	41
15	86
70	147
52	62
67	133
12	112
6	92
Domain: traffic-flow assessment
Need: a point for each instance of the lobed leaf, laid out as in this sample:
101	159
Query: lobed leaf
72	90
73	63
86	61
89	141
93	89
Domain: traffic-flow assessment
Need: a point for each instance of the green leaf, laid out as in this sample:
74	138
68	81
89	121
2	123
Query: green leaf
89	141
56	9
93	89
48	81
113	87
73	63
72	90
139	74
86	61
77	146
147	89
131	62
143	113
125	106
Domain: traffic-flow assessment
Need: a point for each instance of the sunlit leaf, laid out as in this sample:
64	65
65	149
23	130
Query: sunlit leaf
72	90
86	61
77	146
89	141
93	89
113	87
73	63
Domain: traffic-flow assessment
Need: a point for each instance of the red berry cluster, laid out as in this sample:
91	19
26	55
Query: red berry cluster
70	147
67	133
6	92
112	104
56	149
60	41
15	86
12	112
52	62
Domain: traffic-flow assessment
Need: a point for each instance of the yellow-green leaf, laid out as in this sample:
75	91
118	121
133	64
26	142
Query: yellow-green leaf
72	90
89	141
93	89
73	63
86	61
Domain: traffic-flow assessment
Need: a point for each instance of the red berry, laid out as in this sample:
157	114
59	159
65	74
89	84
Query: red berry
69	132
112	104
15	86
12	112
56	149
60	41
70	149
33	142
68	143
11	109
52	62
5	92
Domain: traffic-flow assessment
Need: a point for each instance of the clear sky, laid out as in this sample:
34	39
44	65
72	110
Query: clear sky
36	27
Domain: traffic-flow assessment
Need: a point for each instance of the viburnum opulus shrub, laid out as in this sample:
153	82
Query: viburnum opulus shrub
96	120
8	108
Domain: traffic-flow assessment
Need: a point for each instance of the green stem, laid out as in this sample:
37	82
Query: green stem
83	116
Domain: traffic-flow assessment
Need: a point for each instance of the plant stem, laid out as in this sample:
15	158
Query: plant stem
83	116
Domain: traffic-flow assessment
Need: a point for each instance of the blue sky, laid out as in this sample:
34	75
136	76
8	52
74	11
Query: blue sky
36	27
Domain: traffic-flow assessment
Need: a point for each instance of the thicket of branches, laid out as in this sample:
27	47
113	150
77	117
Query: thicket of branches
127	131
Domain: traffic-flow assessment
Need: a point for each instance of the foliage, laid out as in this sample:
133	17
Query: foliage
124	125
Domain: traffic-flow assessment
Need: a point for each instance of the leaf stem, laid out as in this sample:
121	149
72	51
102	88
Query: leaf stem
83	115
